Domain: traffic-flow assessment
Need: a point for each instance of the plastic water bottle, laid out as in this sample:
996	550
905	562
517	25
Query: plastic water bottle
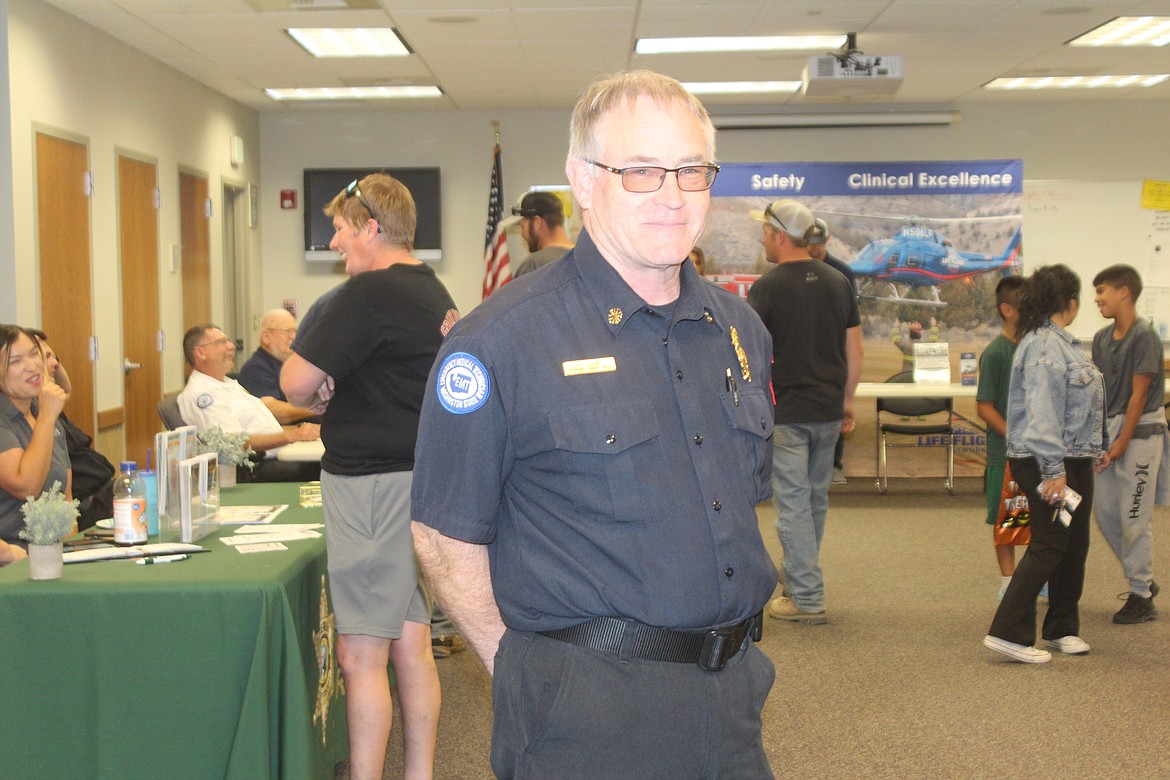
129	506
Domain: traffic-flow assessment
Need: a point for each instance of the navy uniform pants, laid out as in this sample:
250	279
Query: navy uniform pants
563	711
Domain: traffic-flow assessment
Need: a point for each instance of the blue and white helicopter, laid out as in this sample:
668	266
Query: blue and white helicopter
920	256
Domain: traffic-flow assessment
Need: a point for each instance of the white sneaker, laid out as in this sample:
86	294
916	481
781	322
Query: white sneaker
1029	655
1069	645
839	477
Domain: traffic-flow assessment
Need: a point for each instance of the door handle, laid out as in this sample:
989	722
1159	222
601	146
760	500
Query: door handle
127	366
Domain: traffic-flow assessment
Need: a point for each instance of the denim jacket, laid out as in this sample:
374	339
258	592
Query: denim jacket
1056	402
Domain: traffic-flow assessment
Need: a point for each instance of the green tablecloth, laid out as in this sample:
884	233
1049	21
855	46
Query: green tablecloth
204	668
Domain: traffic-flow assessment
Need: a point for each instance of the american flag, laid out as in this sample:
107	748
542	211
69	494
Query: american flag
497	272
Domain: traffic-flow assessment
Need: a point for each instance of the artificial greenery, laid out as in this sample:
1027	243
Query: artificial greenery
49	517
232	448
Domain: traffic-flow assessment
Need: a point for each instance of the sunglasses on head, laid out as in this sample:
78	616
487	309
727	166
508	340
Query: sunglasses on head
352	191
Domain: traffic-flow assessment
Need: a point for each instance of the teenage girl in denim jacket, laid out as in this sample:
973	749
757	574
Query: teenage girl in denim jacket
1055	433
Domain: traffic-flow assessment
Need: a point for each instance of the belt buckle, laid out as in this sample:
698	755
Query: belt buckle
719	645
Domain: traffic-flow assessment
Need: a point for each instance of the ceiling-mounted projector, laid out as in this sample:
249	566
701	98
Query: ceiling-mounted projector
853	75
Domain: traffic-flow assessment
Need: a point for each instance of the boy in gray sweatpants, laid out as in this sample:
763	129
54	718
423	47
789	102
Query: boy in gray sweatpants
1129	355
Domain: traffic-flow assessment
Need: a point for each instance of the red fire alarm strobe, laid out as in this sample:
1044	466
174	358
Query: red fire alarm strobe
288	199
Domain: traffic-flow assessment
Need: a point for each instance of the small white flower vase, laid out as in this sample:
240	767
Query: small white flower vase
45	561
227	476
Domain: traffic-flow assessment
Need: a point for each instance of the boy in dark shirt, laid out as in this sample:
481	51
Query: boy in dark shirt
995	373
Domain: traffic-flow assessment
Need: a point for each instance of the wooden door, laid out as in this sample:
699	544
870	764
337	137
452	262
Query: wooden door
138	234
63	248
195	229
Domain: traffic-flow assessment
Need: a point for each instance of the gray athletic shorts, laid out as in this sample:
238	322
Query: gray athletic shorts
373	577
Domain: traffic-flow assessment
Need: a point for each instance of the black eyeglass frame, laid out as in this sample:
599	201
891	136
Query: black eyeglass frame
353	191
710	169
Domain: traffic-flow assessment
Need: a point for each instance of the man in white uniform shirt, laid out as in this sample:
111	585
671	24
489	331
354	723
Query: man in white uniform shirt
212	399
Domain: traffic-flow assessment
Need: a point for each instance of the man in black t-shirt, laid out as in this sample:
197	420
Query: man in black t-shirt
811	311
369	355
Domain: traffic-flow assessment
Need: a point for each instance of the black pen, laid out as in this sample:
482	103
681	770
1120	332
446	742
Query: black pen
732	387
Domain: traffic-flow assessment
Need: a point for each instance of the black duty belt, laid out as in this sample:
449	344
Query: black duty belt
710	650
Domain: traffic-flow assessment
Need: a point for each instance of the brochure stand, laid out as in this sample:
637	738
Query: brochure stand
172	447
932	364
198	496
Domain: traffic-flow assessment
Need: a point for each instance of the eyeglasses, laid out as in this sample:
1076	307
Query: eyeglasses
649	178
352	191
217	343
285	331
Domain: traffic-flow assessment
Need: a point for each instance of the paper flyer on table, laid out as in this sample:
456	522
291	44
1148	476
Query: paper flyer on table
277	529
285	536
249	515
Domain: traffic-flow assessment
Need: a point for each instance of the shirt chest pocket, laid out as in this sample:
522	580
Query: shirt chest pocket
753	419
1084	391
611	457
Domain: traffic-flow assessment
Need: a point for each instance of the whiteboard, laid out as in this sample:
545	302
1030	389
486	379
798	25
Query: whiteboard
1088	225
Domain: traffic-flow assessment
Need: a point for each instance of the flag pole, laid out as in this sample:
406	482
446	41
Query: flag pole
496	261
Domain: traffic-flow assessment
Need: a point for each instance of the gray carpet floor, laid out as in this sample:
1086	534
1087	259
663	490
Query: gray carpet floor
898	684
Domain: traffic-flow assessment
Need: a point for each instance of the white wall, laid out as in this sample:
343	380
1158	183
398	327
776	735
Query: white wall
70	77
460	143
7	253
1091	140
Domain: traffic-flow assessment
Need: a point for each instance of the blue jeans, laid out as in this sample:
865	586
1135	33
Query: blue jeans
802	467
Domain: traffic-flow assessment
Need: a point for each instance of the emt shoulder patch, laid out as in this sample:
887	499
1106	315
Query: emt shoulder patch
463	383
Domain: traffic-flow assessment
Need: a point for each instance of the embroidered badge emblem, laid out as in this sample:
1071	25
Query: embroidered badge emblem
329	681
744	370
204	400
615	316
449	321
463	384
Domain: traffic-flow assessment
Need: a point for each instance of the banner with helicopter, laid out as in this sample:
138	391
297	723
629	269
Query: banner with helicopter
908	230
927	243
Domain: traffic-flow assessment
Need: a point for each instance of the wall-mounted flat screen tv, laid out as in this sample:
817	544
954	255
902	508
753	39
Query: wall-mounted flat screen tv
322	184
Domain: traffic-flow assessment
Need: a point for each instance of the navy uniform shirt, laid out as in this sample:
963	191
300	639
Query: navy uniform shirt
597	446
260	375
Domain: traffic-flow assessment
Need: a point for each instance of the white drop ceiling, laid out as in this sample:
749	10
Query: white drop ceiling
522	54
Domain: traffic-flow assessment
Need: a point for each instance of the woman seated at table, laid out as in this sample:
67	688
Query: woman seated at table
33	452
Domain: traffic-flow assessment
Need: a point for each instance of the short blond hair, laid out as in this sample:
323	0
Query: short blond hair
396	212
606	94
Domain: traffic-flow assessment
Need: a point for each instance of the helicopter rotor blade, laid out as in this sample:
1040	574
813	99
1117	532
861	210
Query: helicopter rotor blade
918	219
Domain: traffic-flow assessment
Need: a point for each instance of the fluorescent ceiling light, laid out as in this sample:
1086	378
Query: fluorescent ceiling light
1128	31
739	87
1076	82
743	43
350	42
353	93
835	119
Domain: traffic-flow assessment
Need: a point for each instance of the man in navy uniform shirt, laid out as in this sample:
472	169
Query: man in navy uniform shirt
593	442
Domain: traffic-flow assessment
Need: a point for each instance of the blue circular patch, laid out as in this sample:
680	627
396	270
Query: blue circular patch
463	384
204	400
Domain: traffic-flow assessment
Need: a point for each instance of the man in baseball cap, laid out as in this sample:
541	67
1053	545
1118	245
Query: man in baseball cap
541	215
811	311
790	216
